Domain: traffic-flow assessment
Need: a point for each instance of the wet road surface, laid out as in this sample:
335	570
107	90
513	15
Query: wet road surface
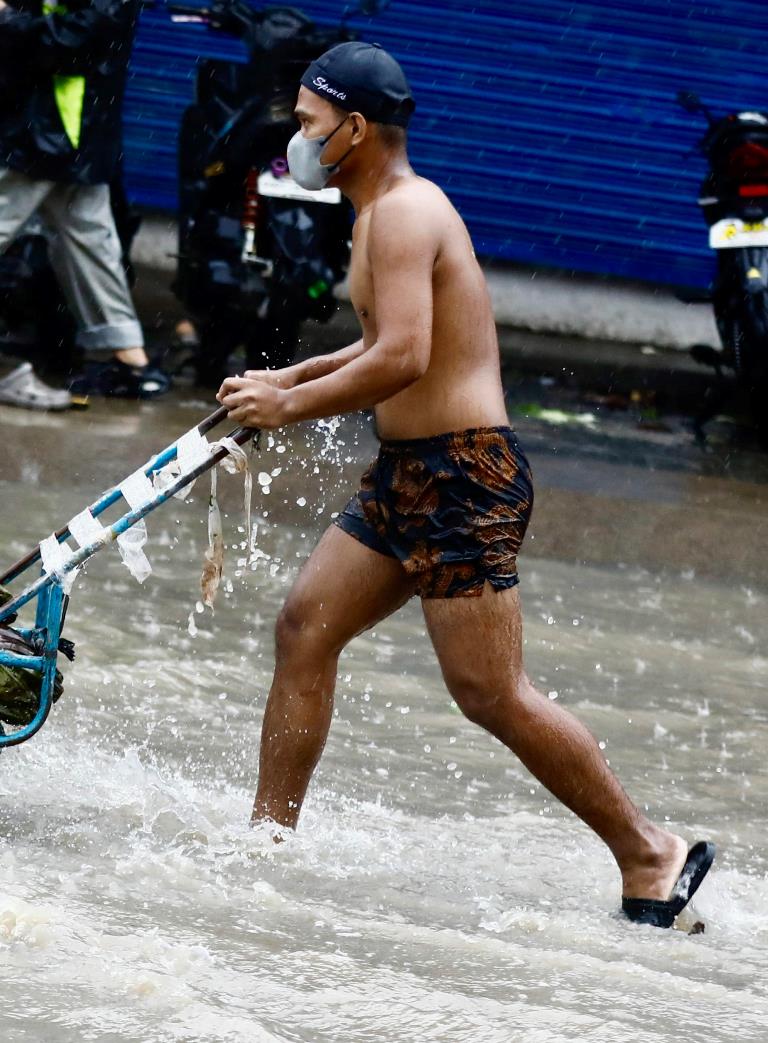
434	891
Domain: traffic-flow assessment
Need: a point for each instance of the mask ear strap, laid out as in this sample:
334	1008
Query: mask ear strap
334	131
337	164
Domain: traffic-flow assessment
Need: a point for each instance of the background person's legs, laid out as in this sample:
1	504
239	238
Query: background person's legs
478	642
343	589
87	258
20	197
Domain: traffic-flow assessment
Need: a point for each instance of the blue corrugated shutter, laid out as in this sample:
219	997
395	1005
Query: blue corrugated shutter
552	125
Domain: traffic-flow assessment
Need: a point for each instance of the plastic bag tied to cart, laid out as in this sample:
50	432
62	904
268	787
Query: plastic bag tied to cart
19	688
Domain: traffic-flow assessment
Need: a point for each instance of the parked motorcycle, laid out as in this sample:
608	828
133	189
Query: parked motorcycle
734	201
257	253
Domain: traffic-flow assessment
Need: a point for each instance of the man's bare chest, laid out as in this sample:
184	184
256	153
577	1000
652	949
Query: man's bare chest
361	290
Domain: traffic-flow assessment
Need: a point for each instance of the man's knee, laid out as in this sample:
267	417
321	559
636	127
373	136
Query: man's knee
478	704
290	629
486	700
300	632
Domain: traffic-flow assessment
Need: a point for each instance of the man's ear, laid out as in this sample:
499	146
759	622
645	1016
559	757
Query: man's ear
359	127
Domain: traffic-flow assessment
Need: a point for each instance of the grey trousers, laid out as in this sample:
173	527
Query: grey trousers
85	254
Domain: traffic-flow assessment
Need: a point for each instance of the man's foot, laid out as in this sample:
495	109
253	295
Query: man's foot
652	874
118	380
131	356
22	387
663	912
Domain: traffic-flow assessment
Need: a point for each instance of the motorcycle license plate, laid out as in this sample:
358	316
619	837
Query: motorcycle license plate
732	232
286	188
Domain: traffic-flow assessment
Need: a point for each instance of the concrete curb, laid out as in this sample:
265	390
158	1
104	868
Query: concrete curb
530	299
580	306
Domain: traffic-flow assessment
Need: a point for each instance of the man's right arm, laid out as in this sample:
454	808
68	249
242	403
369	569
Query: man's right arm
309	369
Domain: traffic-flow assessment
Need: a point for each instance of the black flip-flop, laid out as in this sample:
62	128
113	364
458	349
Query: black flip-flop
663	914
115	379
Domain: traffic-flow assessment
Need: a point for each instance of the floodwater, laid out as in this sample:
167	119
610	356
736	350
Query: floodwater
434	891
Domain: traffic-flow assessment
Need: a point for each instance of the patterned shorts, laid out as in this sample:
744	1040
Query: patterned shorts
452	509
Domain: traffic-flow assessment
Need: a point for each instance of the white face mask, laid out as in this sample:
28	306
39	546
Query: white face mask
304	160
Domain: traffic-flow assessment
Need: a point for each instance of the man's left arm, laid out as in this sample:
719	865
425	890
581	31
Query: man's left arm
402	247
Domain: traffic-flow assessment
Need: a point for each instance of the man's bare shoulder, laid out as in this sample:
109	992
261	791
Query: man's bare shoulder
415	206
412	199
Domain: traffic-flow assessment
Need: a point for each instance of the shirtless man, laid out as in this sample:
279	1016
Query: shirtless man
443	510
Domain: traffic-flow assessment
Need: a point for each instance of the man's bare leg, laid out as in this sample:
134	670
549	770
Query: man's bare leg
343	589
479	646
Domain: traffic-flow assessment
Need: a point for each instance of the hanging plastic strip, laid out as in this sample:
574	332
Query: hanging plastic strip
236	461
138	491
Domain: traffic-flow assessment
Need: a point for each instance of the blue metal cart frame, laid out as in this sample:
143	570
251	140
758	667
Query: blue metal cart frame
51	600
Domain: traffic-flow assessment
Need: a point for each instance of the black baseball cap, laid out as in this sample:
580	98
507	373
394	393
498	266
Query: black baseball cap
362	77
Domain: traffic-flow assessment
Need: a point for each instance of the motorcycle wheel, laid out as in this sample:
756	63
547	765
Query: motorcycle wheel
268	343
272	343
742	320
754	339
219	336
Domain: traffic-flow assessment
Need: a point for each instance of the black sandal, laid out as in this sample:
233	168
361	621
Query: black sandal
663	914
115	379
